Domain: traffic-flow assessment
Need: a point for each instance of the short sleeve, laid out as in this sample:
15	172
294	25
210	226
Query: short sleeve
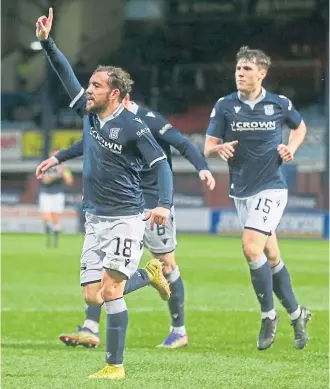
79	103
292	117
217	122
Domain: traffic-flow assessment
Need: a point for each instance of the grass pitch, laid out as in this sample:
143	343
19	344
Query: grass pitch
41	298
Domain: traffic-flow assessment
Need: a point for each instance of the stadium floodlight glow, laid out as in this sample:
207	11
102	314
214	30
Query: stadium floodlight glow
35	45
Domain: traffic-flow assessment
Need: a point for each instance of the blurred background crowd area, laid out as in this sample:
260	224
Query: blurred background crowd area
181	55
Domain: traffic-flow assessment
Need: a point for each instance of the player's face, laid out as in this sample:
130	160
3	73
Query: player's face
99	93
248	76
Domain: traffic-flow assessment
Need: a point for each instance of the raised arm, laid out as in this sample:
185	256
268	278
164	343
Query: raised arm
56	58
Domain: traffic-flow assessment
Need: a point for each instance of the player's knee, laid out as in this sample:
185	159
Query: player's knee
251	250
91	297
168	261
113	286
111	292
273	256
168	268
272	251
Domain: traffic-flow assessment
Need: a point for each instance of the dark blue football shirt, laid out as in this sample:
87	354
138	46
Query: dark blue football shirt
166	136
115	149
257	126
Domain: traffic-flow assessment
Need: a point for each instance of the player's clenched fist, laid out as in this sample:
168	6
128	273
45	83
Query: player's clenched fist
226	150
285	152
44	166
44	25
158	216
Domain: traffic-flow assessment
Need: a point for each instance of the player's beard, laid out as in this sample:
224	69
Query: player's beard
96	107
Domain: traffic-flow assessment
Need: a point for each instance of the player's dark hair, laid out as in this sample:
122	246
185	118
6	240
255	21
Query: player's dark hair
254	55
118	79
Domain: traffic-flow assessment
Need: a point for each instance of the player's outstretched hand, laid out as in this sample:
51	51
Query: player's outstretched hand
226	150
44	25
285	152
45	165
158	215
207	175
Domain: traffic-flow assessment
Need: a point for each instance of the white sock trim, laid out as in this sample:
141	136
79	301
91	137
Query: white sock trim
277	268
173	275
254	265
294	315
115	306
179	330
270	314
92	325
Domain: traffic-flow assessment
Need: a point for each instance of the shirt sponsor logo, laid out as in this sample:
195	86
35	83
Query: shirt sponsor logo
143	131
165	128
111	146
253	126
114	133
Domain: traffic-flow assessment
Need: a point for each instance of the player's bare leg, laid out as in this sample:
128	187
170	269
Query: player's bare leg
178	334
253	243
56	223
47	219
112	289
87	335
298	315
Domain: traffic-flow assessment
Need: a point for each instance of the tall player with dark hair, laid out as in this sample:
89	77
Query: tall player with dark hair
246	131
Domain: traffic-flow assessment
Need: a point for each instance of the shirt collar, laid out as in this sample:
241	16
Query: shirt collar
252	103
112	116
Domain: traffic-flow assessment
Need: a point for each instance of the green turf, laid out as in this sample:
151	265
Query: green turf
41	297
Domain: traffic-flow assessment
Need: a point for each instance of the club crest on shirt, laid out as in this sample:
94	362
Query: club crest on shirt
114	133
269	109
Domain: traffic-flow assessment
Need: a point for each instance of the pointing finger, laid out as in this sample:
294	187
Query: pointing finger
50	15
